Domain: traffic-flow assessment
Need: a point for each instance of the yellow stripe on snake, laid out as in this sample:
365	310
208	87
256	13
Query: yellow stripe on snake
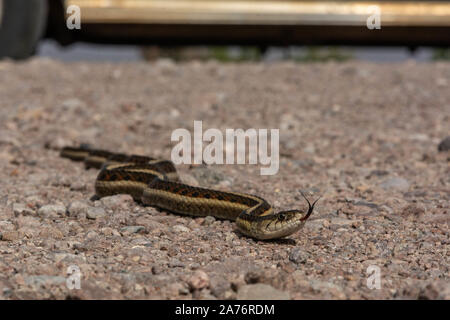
155	183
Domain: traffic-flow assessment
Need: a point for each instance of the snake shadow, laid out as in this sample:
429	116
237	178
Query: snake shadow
282	241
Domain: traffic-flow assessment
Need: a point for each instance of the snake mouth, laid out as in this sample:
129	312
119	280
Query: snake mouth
276	233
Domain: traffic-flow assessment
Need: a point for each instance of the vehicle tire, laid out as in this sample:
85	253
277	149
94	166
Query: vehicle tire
21	27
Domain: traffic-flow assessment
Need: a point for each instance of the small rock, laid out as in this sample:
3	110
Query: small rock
42	280
444	145
10	235
194	266
91	235
237	281
21	209
6	225
399	184
132	229
203	295
178	288
208	220
261	291
51	233
175	263
298	256
119	201
95	213
326	224
198	280
34	201
366	204
327	289
436	290
78	209
107	231
254	276
69	257
219	287
52	210
77	186
157	269
229	236
180	228
378	173
413	210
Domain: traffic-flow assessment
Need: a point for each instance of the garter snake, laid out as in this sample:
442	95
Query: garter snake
155	183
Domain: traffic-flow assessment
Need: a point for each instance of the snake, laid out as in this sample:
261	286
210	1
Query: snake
156	183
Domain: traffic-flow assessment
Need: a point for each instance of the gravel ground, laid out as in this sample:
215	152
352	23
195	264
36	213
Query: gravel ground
364	135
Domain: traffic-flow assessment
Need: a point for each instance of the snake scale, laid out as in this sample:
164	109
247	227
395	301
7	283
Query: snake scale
156	183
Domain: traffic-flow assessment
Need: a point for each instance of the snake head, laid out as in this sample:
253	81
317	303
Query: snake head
284	223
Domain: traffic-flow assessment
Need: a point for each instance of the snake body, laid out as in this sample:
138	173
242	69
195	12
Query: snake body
156	183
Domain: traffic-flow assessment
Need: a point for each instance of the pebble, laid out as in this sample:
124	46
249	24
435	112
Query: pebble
199	280
34	201
366	204
9	235
219	286
51	233
328	289
178	288
260	291
52	210
77	186
119	201
91	235
107	231
413	210
180	228
208	220
6	225
42	280
298	256
78	209
444	145
399	184
22	209
254	276
69	257
132	229
378	173
94	213
157	269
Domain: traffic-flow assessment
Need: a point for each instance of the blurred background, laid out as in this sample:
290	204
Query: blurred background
225	30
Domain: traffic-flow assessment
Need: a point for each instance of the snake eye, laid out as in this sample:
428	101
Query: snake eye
281	217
